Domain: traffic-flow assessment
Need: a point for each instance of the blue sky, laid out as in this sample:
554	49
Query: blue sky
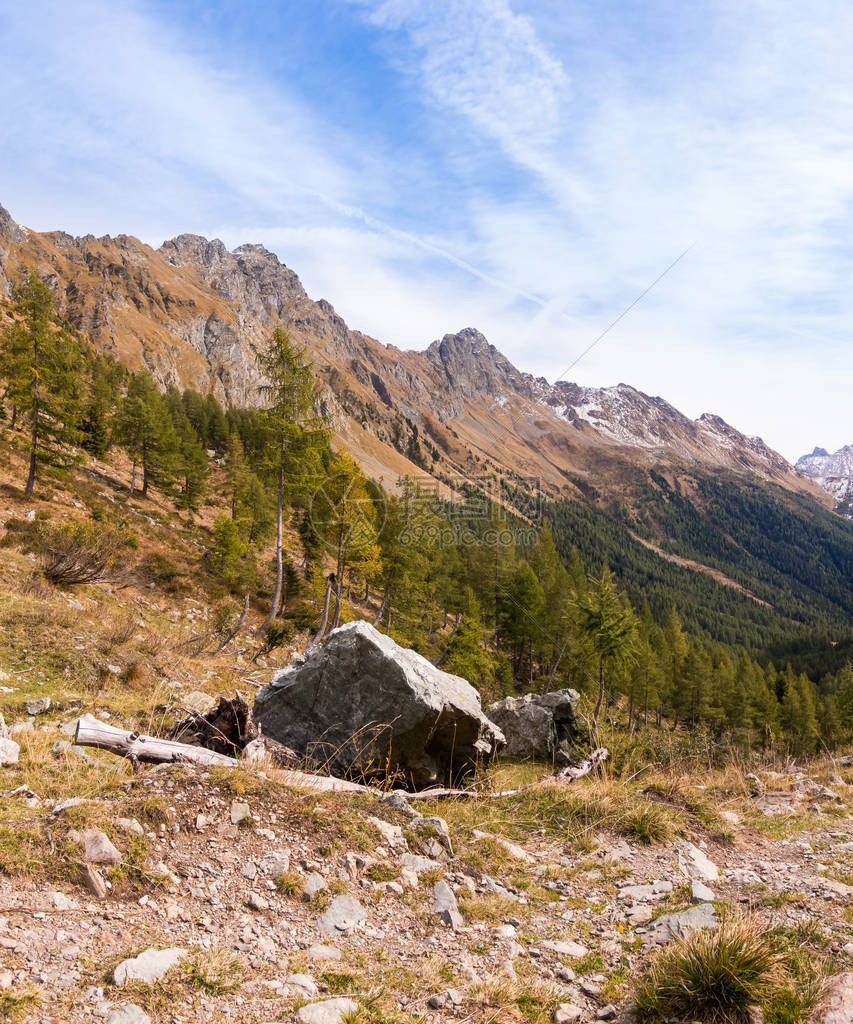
527	168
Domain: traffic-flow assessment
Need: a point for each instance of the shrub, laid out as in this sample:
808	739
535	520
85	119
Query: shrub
75	553
716	976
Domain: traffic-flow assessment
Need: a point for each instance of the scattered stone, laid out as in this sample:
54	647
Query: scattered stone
63	748
240	811
433	837
607	1012
694	863
392	834
418	864
148	967
775	804
567	1013
397	799
198	701
680	925
131	825
93	881
331	1011
436	1002
303	981
257	902
344	913
730	817
700	893
836	1002
97	848
401	712
128	1014
455	996
567	948
37	706
320	952
9	751
63	902
444	904
313	884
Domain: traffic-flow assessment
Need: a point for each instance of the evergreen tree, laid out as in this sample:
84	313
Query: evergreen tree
42	365
288	395
145	430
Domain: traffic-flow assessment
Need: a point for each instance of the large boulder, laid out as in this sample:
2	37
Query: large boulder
540	726
362	705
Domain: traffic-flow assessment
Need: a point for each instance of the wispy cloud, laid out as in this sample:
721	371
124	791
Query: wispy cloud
555	159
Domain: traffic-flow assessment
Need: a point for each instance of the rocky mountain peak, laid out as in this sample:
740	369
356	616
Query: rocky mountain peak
834	473
467	361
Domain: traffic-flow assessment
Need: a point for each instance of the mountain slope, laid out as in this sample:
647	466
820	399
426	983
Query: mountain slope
834	473
645	482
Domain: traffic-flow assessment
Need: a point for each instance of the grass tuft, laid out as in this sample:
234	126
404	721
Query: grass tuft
716	976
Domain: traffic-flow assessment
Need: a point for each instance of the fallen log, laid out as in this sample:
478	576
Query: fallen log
573	772
92	733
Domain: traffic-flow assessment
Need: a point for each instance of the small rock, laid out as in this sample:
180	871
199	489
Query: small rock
730	817
131	825
94	882
332	1011
240	810
198	701
257	902
679	926
837	1001
128	1014
418	864
9	751
303	981
320	952
455	996
148	967
97	848
700	893
344	912
249	870
313	884
436	1002
569	948
693	863
566	1013
399	801
607	1012
37	706
444	904
62	902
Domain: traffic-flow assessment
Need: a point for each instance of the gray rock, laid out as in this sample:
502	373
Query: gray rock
568	948
38	706
64	747
344	912
541	726
148	967
436	1002
433	837
303	981
321	952
607	1012
693	863
836	1002
129	1014
567	1013
444	904
680	925
730	817
313	884
9	751
398	800
400	712
330	1011
240	810
97	848
700	893
418	864
249	870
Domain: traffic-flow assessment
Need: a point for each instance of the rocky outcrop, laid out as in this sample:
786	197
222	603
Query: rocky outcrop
362	705
833	472
540	726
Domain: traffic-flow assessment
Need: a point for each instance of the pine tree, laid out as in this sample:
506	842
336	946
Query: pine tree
288	394
42	365
145	430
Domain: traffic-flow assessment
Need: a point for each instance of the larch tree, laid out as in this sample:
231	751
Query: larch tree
43	368
288	398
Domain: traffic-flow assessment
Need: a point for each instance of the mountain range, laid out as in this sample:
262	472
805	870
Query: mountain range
690	512
833	472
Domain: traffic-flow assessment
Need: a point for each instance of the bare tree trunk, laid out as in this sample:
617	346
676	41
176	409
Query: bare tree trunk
321	632
598	703
339	583
279	531
555	665
386	597
34	435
